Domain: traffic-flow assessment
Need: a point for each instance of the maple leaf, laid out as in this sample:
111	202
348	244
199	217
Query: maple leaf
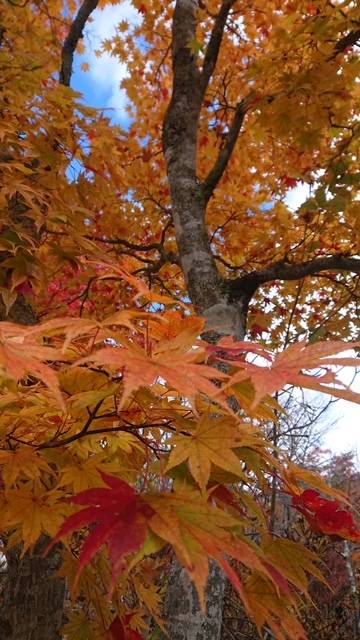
212	443
20	462
293	475
326	516
121	631
82	474
192	526
290	366
289	182
140	369
151	597
35	510
78	626
118	518
20	355
293	560
223	494
266	608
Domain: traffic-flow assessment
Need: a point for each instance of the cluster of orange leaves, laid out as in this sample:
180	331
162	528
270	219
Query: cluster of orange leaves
203	516
166	426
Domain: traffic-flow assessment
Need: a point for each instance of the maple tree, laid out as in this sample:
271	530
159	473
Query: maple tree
134	259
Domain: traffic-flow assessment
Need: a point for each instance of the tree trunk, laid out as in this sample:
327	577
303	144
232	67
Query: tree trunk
32	598
224	316
185	620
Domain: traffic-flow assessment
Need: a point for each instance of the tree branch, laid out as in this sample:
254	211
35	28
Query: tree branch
154	246
180	151
72	39
347	41
213	47
84	431
216	173
288	271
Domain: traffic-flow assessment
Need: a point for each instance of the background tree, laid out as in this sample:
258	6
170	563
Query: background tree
339	605
181	213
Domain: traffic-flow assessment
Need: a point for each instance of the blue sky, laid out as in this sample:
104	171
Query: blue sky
101	88
100	85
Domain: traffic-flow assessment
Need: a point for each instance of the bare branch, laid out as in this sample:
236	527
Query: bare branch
57	443
347	41
212	50
289	271
225	153
154	246
72	39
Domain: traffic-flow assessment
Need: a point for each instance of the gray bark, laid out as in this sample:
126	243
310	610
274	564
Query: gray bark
182	608
32	596
207	290
353	587
32	599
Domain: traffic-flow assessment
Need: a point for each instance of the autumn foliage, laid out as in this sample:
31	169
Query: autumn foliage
326	516
134	417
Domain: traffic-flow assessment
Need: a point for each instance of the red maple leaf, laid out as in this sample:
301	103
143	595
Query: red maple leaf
257	330
332	519
326	516
120	631
289	182
223	494
118	519
309	499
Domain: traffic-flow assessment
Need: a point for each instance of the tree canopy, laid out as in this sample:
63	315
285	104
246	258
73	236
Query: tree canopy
157	291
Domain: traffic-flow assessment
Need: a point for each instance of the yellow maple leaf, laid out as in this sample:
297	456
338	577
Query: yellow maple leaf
85	474
35	511
20	355
212	443
22	462
193	526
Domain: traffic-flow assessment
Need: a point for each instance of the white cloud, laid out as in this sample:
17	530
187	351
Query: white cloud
107	72
295	197
345	435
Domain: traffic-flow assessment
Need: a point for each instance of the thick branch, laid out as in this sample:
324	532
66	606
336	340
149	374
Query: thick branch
288	271
180	147
225	153
212	51
153	246
72	39
205	285
2	33
182	117
347	41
